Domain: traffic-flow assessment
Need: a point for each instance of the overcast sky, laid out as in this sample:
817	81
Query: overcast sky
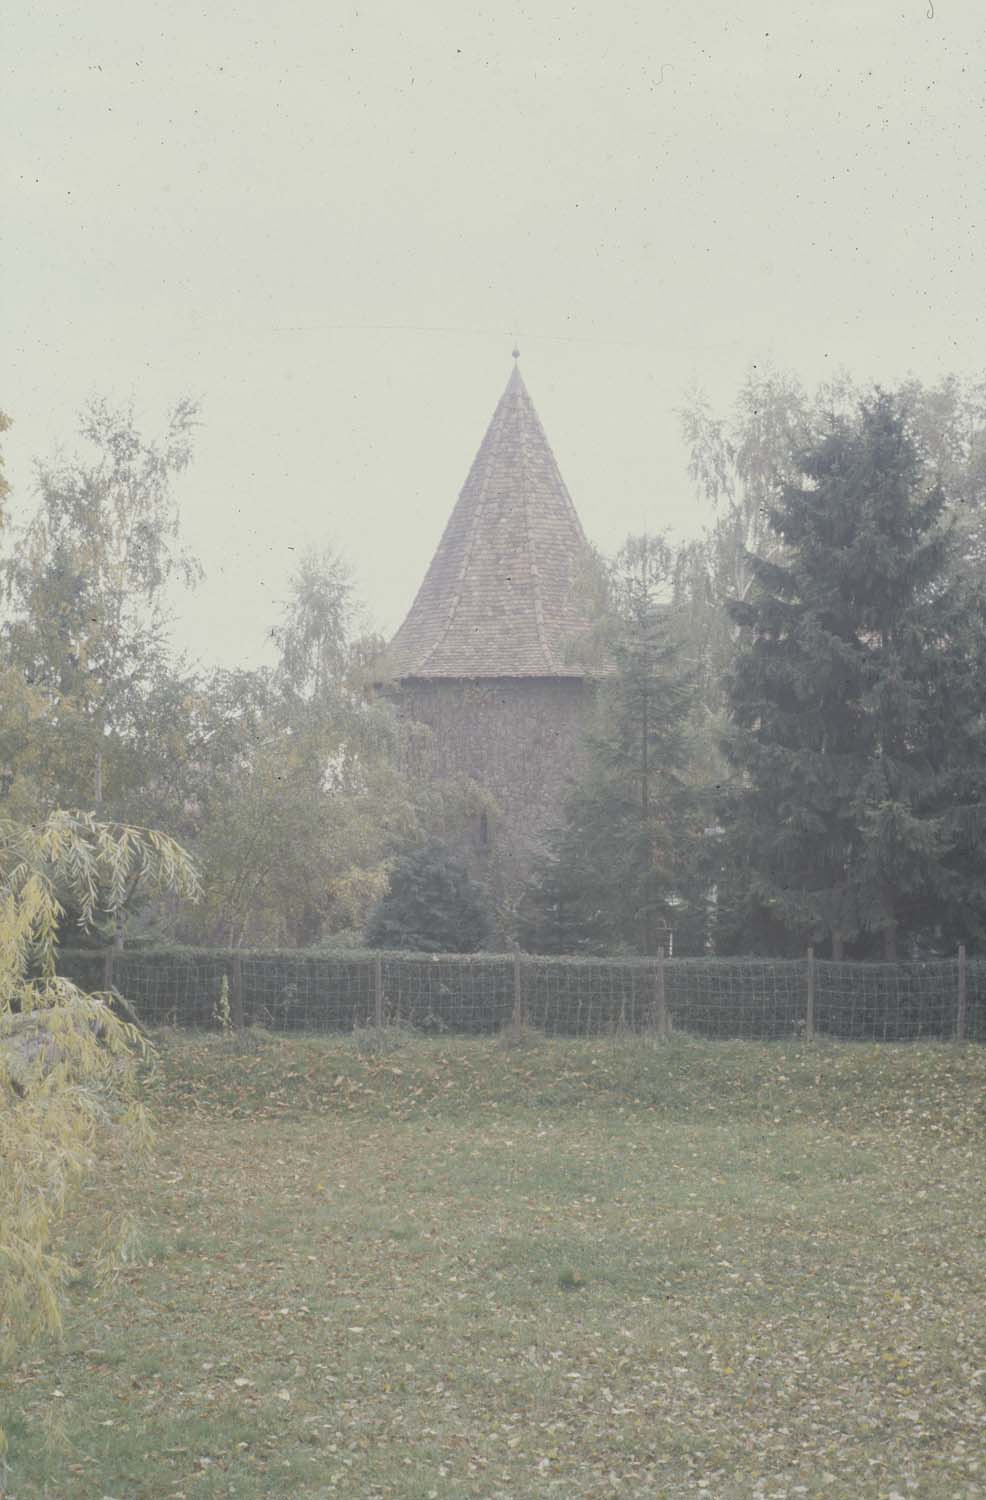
331	221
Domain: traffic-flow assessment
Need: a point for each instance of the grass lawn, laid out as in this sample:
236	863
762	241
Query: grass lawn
460	1270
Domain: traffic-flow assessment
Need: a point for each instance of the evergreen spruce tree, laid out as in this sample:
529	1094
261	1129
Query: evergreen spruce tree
857	705
622	865
431	905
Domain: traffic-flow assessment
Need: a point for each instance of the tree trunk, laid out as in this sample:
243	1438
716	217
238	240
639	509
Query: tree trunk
890	929
648	923
837	945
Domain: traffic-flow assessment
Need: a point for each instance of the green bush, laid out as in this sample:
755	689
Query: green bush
431	905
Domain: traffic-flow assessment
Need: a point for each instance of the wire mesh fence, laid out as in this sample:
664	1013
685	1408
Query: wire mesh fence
481	994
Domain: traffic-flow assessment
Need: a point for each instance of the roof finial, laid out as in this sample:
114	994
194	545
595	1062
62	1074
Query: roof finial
515	352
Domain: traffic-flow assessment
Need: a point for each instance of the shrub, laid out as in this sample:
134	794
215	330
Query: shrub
431	905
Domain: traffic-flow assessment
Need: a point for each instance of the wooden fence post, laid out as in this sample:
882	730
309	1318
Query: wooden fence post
960	1017
377	990
810	996
236	993
108	970
520	1009
660	998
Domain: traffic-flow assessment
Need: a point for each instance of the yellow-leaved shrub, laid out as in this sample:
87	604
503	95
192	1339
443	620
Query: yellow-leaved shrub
69	1066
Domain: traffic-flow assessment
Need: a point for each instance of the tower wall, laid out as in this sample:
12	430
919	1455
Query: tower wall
520	739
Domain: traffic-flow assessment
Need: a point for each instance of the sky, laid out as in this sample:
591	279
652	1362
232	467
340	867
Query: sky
330	223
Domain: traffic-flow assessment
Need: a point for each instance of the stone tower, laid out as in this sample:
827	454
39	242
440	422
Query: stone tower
487	657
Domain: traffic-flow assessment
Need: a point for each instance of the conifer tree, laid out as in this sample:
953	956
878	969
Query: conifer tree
857	705
431	905
623	863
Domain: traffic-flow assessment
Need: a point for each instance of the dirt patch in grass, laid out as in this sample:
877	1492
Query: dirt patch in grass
452	1270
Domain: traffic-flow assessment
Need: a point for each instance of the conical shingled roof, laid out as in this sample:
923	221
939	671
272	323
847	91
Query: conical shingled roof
504	595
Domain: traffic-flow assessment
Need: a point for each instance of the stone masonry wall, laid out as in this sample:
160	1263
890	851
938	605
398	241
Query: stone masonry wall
520	739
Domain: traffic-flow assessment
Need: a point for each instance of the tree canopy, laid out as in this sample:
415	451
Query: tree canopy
85	582
740	459
857	703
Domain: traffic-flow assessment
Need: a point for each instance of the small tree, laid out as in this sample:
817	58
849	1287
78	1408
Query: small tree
431	905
